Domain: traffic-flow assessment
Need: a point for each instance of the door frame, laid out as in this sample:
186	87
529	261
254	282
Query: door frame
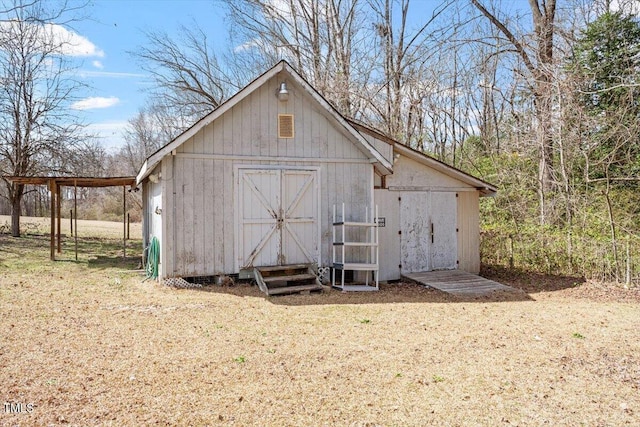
237	205
429	218
448	260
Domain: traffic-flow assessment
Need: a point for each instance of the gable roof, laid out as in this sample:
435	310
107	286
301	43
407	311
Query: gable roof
485	188
354	128
381	164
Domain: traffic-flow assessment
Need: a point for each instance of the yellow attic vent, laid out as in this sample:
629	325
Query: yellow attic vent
285	126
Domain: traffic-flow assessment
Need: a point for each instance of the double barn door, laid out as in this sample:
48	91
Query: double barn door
428	231
278	217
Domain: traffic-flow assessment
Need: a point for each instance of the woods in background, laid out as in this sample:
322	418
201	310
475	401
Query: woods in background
540	97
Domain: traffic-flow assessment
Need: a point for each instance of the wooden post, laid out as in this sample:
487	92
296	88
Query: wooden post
124	222
128	226
628	278
52	192
59	212
75	215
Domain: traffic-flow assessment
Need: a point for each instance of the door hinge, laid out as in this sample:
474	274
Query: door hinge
399	231
457	230
458	262
399	198
400	266
456	194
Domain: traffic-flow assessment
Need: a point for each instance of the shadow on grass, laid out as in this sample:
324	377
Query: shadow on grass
530	282
104	262
395	293
96	252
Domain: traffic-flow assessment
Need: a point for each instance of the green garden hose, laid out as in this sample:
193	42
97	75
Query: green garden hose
153	258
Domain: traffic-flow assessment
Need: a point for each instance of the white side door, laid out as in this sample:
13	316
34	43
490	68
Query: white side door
444	215
415	232
428	231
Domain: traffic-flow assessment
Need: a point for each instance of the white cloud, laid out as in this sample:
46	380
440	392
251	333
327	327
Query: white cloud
91	73
72	43
95	103
247	46
97	64
58	38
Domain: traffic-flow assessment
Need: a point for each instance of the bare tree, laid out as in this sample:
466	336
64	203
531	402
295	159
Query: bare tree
36	126
186	71
145	133
325	40
538	62
404	56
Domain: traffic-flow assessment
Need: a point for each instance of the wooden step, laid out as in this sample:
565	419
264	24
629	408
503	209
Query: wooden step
282	267
283	270
287	279
287	272
294	289
291	278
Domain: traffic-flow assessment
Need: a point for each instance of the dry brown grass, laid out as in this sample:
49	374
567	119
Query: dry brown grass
40	225
91	343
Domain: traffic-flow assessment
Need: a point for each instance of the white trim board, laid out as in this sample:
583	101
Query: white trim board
270	158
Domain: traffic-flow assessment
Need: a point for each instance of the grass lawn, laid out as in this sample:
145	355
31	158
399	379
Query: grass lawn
90	342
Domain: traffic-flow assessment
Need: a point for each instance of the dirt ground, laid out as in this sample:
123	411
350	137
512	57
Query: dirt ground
92	343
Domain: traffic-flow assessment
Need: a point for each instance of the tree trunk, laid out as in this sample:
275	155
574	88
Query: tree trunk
544	109
539	64
15	197
613	232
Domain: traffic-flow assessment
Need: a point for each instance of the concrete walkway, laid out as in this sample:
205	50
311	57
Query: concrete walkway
458	282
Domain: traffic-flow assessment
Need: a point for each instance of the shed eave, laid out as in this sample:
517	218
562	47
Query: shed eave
484	188
143	172
382	165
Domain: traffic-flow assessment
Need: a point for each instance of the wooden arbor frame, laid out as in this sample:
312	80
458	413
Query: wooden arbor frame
55	184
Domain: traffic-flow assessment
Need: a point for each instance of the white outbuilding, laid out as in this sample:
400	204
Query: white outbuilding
262	182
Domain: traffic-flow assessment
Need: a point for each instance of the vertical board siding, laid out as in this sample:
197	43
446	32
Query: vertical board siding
184	223
146	213
408	172
204	240
469	231
167	246
215	264
200	195
209	217
228	219
199	215
389	251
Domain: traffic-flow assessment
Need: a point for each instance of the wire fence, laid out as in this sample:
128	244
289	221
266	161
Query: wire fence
550	252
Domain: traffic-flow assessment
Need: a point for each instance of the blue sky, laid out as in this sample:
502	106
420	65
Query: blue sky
115	29
116	81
